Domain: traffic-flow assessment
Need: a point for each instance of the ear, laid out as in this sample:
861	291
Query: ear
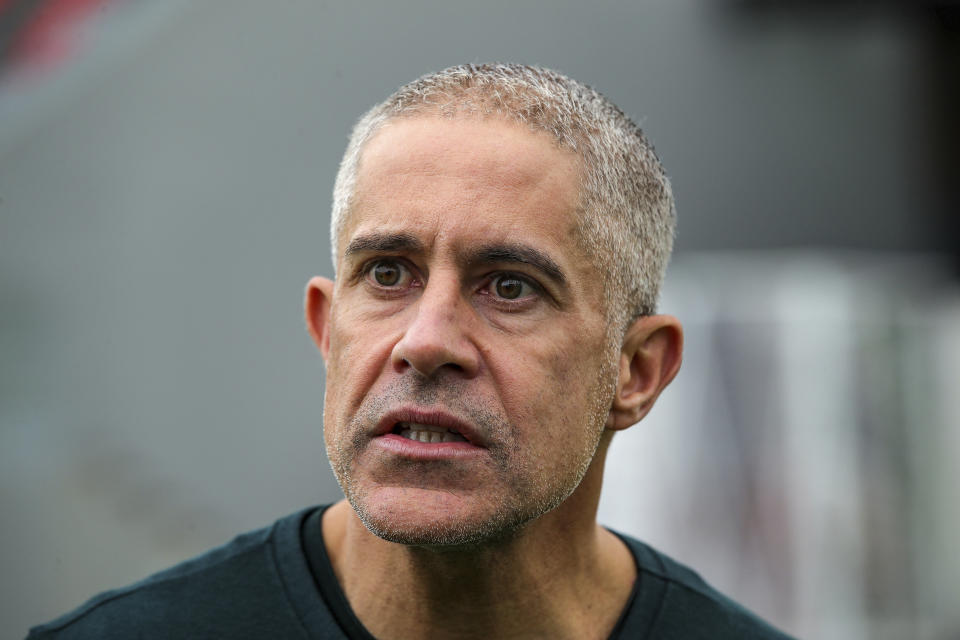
649	359
317	308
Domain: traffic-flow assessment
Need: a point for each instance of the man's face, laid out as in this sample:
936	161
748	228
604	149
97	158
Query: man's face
468	373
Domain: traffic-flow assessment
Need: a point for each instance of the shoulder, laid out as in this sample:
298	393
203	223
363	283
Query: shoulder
680	604
236	586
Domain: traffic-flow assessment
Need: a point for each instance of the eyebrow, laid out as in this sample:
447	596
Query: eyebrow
498	253
521	254
383	242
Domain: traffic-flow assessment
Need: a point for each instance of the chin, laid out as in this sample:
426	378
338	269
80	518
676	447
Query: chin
435	519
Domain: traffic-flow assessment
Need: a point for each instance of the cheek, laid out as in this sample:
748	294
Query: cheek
560	390
587	369
358	356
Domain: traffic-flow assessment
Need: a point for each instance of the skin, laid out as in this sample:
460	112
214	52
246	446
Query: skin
462	291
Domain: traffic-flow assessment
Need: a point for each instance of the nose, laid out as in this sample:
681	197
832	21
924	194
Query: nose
437	337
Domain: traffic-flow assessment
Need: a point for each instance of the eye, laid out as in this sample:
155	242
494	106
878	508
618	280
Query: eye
511	287
387	273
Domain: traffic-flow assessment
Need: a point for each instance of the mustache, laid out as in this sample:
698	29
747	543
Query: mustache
446	392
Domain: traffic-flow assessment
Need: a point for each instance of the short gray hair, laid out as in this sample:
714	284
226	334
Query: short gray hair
627	214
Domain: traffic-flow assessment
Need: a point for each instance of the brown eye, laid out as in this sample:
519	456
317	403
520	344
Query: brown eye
386	274
510	288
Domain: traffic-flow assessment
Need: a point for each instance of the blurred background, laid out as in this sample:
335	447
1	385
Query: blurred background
165	178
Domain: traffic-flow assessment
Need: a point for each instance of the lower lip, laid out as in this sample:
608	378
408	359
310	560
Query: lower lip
416	450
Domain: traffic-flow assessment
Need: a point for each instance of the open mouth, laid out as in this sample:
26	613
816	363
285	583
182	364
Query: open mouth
427	433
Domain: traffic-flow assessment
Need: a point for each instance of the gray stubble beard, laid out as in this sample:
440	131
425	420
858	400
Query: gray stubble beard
510	517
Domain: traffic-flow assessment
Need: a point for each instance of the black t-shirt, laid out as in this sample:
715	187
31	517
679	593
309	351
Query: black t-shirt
277	582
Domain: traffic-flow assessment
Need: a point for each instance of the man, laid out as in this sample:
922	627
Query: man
500	234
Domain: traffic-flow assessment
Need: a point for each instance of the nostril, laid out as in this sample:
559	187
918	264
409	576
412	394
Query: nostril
449	366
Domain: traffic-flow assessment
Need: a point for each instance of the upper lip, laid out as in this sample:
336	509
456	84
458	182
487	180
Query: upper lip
433	417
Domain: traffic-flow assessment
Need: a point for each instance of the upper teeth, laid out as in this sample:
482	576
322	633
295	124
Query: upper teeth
429	433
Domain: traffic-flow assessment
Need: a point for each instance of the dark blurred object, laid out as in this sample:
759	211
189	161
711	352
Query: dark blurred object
944	79
939	20
792	5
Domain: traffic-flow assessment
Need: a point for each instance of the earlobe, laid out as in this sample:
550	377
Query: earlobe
649	360
319	296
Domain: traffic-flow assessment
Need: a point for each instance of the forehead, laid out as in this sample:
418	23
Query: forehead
436	176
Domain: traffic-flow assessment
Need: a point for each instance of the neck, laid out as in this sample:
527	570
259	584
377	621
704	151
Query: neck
559	576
